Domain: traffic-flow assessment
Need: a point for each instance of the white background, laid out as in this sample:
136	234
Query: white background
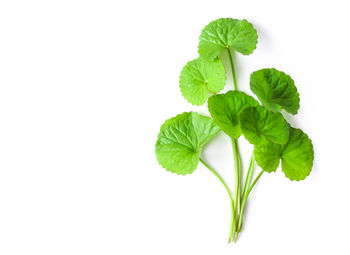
84	88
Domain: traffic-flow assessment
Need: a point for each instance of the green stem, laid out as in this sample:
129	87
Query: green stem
237	164
236	156
245	195
240	220
243	198
233	214
232	69
248	178
255	181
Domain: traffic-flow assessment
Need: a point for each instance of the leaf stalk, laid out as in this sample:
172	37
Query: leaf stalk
233	213
232	69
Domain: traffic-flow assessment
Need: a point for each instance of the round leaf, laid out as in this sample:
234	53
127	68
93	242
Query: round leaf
268	155
198	77
226	108
181	140
297	156
260	125
275	90
227	33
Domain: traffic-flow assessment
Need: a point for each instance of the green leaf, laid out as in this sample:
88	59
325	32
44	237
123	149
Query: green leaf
268	155
226	108
181	140
199	77
227	33
260	125
275	90
297	156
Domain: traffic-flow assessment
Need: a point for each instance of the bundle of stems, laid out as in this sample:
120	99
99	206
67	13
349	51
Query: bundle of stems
238	198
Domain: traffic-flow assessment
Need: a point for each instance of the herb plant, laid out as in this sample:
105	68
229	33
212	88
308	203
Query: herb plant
182	138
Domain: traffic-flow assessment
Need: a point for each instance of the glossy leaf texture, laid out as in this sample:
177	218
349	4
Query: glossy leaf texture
260	125
225	33
226	108
275	90
181	140
297	156
268	156
199	77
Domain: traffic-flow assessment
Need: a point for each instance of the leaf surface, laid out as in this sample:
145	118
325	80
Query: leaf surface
275	90
199	77
268	156
297	156
260	125
181	140
226	108
225	33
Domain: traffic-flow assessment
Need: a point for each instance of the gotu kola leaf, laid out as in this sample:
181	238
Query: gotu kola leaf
199	77
226	108
268	155
225	33
260	125
297	156
181	140
275	90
